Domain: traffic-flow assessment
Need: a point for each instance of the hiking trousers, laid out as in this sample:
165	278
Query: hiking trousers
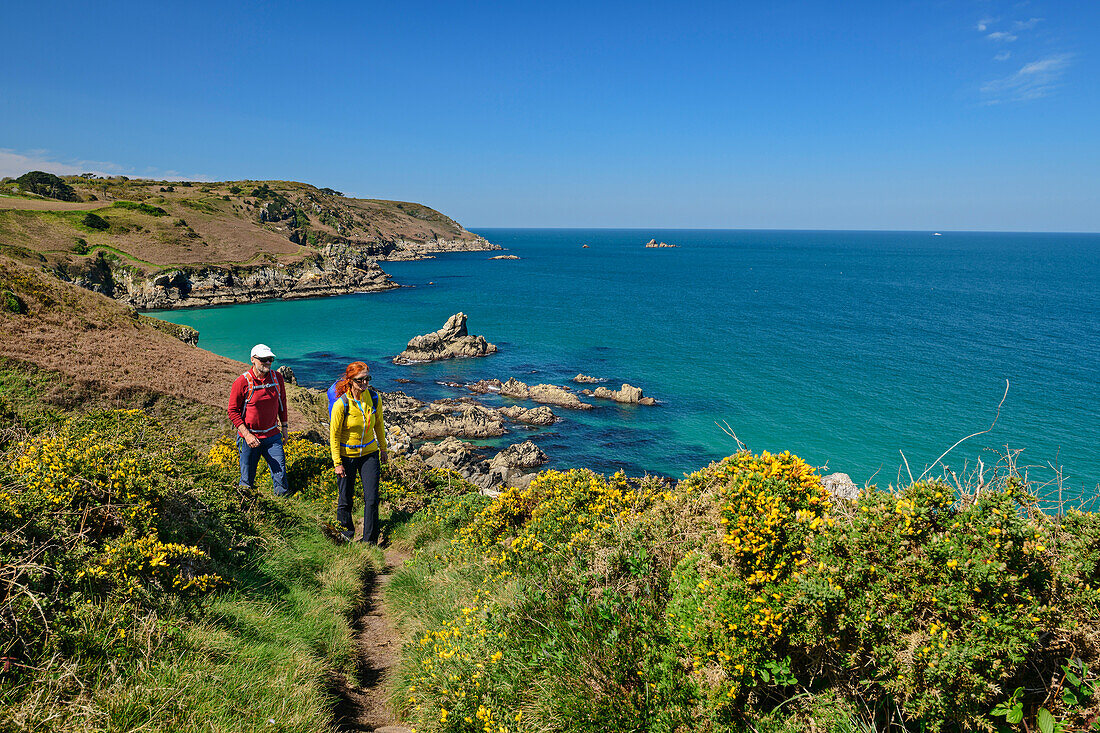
367	467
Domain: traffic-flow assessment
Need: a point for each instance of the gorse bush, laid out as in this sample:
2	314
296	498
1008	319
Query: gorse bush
141	587
729	599
745	597
104	509
308	466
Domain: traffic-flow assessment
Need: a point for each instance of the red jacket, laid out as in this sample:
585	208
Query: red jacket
259	405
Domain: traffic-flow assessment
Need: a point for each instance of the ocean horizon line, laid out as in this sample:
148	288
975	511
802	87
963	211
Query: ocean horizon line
475	229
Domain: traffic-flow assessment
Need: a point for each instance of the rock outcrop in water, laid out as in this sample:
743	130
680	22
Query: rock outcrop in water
627	395
450	342
548	394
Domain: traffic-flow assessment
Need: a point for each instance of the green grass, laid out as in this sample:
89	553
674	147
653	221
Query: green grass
128	652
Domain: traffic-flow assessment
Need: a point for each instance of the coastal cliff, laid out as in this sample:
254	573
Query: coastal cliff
159	244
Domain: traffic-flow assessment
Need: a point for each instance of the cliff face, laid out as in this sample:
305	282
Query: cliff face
336	269
154	244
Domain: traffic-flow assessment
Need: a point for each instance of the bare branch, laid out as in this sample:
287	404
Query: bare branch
981	432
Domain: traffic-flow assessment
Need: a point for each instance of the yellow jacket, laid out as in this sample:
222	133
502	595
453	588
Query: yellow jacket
364	434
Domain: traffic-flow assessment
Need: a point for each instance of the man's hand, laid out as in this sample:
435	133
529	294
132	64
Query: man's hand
286	433
252	440
339	470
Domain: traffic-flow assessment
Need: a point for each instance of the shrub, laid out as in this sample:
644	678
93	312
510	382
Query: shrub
95	221
110	508
234	190
308	465
142	207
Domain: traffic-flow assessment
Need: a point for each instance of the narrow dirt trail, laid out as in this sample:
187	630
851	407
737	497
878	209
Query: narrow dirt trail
364	708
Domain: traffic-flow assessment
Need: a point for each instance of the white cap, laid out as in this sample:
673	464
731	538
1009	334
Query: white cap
261	351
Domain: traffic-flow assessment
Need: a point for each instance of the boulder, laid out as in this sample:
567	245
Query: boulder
450	342
585	379
840	486
514	466
533	416
453	454
288	374
468	421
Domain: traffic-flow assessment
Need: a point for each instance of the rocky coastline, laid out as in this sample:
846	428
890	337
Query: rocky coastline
334	269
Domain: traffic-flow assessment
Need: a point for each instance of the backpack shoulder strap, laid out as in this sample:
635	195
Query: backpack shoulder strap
373	398
248	380
347	406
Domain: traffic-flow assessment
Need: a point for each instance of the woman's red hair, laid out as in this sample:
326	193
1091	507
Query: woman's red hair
354	370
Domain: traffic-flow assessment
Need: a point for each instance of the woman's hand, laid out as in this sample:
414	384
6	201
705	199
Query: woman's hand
339	470
383	458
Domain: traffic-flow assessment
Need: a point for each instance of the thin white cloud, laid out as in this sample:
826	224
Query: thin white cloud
14	164
1033	81
1002	36
1003	56
1023	25
984	23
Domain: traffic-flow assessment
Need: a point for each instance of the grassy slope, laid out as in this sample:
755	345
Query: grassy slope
113	356
208	224
263	650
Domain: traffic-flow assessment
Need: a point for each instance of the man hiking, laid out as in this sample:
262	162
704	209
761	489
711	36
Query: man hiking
257	408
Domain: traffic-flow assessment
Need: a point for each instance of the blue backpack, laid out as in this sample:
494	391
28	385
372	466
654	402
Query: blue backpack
332	401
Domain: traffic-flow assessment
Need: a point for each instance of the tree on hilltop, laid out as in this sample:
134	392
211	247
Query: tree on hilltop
46	184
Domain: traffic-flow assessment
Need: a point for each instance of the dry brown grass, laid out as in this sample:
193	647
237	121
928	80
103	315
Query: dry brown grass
105	350
216	230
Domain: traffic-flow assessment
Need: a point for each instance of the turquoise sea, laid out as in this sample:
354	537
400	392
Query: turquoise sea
847	348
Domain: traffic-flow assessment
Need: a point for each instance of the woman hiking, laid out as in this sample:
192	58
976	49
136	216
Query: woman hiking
357	439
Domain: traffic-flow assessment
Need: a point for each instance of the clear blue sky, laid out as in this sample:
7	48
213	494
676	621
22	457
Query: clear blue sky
957	114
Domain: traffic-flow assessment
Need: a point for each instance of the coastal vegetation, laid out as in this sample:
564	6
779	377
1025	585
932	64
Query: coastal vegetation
182	240
141	586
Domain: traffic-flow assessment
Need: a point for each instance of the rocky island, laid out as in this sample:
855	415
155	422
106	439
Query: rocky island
653	243
450	342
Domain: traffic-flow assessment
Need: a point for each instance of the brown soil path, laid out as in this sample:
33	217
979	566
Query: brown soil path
365	708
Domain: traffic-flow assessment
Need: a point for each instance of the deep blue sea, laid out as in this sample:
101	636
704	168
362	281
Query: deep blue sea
846	348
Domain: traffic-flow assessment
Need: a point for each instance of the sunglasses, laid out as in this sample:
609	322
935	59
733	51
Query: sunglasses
266	360
361	380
